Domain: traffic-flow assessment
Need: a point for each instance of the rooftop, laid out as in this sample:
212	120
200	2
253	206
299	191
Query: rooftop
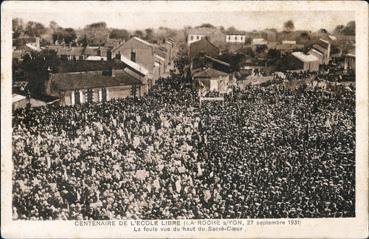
92	79
16	97
303	57
259	41
134	65
208	73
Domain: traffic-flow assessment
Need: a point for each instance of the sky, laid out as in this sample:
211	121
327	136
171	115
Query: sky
242	20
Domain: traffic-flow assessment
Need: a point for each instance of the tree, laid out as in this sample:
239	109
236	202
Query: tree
119	34
221	28
34	29
67	35
36	66
53	26
349	29
149	34
273	56
82	41
338	29
96	33
97	25
139	33
232	29
206	25
323	31
289	26
17	27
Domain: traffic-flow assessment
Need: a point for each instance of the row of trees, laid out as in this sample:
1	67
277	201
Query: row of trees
93	34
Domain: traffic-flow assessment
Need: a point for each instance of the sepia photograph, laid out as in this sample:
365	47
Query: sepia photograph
163	117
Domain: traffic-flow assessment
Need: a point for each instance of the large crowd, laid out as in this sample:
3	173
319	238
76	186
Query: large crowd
265	152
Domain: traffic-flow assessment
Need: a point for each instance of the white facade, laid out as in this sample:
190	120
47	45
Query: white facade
236	38
194	38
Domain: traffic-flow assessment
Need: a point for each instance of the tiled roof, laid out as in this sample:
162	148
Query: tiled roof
218	61
259	41
91	79
319	48
134	65
64	50
16	97
208	73
304	58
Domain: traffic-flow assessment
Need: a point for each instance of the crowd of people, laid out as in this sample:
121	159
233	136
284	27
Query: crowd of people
265	152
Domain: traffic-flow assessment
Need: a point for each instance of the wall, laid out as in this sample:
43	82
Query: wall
20	104
203	46
194	38
236	38
114	92
144	53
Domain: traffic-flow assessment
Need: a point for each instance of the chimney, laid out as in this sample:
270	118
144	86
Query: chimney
38	42
109	55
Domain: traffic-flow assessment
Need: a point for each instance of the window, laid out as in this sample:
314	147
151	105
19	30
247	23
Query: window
103	95
229	38
133	55
197	37
191	38
77	98
236	38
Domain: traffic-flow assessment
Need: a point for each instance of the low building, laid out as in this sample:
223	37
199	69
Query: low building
205	47
306	62
259	42
68	53
21	101
92	53
207	79
350	61
92	86
210	62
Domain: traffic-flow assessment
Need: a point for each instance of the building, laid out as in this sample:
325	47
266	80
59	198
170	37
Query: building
21	101
93	53
235	37
147	55
113	43
210	62
68	53
305	62
92	86
350	61
269	34
322	50
286	47
203	46
259	43
208	79
196	34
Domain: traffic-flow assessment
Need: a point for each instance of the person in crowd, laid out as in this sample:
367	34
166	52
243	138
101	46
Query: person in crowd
267	152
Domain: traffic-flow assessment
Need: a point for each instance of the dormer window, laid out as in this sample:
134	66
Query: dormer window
133	55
